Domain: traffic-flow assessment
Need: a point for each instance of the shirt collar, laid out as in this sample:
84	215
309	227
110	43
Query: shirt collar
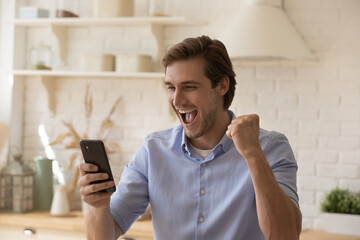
224	143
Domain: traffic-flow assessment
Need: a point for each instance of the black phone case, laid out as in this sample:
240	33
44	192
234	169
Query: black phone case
94	152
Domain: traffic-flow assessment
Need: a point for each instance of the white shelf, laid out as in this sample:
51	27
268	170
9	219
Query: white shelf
59	27
47	79
50	73
101	21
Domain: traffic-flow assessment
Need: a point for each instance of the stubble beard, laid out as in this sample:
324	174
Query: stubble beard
207	122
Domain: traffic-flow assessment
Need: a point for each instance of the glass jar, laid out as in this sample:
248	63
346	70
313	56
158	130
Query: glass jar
67	8
158	8
40	57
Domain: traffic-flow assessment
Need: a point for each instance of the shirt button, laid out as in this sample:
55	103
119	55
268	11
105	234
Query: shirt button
202	192
201	219
203	164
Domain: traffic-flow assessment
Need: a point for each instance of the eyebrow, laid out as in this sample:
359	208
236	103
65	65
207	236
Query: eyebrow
184	83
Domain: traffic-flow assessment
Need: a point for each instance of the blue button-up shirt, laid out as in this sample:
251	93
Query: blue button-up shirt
196	198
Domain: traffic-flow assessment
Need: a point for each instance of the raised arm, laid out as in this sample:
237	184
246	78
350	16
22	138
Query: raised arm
99	222
278	215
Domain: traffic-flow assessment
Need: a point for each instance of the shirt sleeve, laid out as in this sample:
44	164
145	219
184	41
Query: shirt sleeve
132	196
282	161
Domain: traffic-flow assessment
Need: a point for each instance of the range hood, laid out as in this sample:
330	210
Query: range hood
263	32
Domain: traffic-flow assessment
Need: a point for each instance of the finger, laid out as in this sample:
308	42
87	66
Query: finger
87	167
228	131
95	197
92	177
94	188
254	117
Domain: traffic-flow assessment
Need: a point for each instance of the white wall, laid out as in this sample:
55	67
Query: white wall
316	104
5	65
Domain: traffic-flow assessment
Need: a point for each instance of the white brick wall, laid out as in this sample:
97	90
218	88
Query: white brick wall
316	104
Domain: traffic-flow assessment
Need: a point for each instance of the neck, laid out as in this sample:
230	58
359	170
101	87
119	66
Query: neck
214	135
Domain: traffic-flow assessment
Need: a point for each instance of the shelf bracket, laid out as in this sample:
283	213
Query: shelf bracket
49	85
60	33
158	32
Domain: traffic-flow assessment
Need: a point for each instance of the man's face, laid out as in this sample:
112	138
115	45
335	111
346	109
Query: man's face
192	97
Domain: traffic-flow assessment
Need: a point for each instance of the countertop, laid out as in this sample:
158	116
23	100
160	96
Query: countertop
73	222
140	229
322	235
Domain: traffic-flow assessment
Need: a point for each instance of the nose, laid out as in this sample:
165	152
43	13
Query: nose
178	98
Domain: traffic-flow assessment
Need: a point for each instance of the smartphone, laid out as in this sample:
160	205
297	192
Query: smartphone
94	152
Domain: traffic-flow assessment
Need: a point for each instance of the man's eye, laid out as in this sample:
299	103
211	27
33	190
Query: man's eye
190	87
170	88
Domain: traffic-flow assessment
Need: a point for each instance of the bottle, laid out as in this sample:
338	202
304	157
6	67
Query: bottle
60	203
43	183
40	57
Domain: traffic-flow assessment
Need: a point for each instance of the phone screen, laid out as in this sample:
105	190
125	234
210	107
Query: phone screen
94	152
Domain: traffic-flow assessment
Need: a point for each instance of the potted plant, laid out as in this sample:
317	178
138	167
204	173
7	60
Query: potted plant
341	212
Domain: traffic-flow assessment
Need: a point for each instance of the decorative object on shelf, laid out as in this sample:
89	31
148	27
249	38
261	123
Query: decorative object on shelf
341	212
40	57
60	203
97	62
16	187
75	137
43	183
113	8
159	8
133	63
33	13
67	8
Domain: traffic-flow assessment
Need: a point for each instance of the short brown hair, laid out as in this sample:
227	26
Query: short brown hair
217	64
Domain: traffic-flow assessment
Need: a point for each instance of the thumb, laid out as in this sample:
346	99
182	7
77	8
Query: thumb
228	133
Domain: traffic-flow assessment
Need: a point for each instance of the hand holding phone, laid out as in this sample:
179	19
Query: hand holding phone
94	152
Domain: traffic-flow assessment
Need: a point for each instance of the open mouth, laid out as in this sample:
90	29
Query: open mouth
188	116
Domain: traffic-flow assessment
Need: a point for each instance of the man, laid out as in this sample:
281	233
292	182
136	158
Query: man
213	177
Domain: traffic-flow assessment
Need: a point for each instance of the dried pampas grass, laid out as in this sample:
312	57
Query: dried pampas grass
74	137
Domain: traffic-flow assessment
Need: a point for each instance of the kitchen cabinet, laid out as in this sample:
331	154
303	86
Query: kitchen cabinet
43	226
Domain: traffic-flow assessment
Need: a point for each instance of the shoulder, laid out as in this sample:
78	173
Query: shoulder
170	134
276	148
271	138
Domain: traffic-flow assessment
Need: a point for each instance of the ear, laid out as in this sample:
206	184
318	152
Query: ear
223	86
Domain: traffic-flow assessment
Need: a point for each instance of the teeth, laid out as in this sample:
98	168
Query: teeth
185	111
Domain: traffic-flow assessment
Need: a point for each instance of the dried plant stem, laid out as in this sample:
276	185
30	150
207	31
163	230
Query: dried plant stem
107	123
75	178
88	107
71	128
72	159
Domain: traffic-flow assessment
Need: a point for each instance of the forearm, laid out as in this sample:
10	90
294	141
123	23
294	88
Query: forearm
100	224
278	216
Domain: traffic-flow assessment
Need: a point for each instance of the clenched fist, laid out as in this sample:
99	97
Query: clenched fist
244	131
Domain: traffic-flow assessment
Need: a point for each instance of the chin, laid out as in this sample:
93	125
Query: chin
192	134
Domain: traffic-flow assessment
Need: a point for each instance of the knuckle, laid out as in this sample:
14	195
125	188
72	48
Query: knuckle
82	192
79	182
81	166
87	177
93	188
